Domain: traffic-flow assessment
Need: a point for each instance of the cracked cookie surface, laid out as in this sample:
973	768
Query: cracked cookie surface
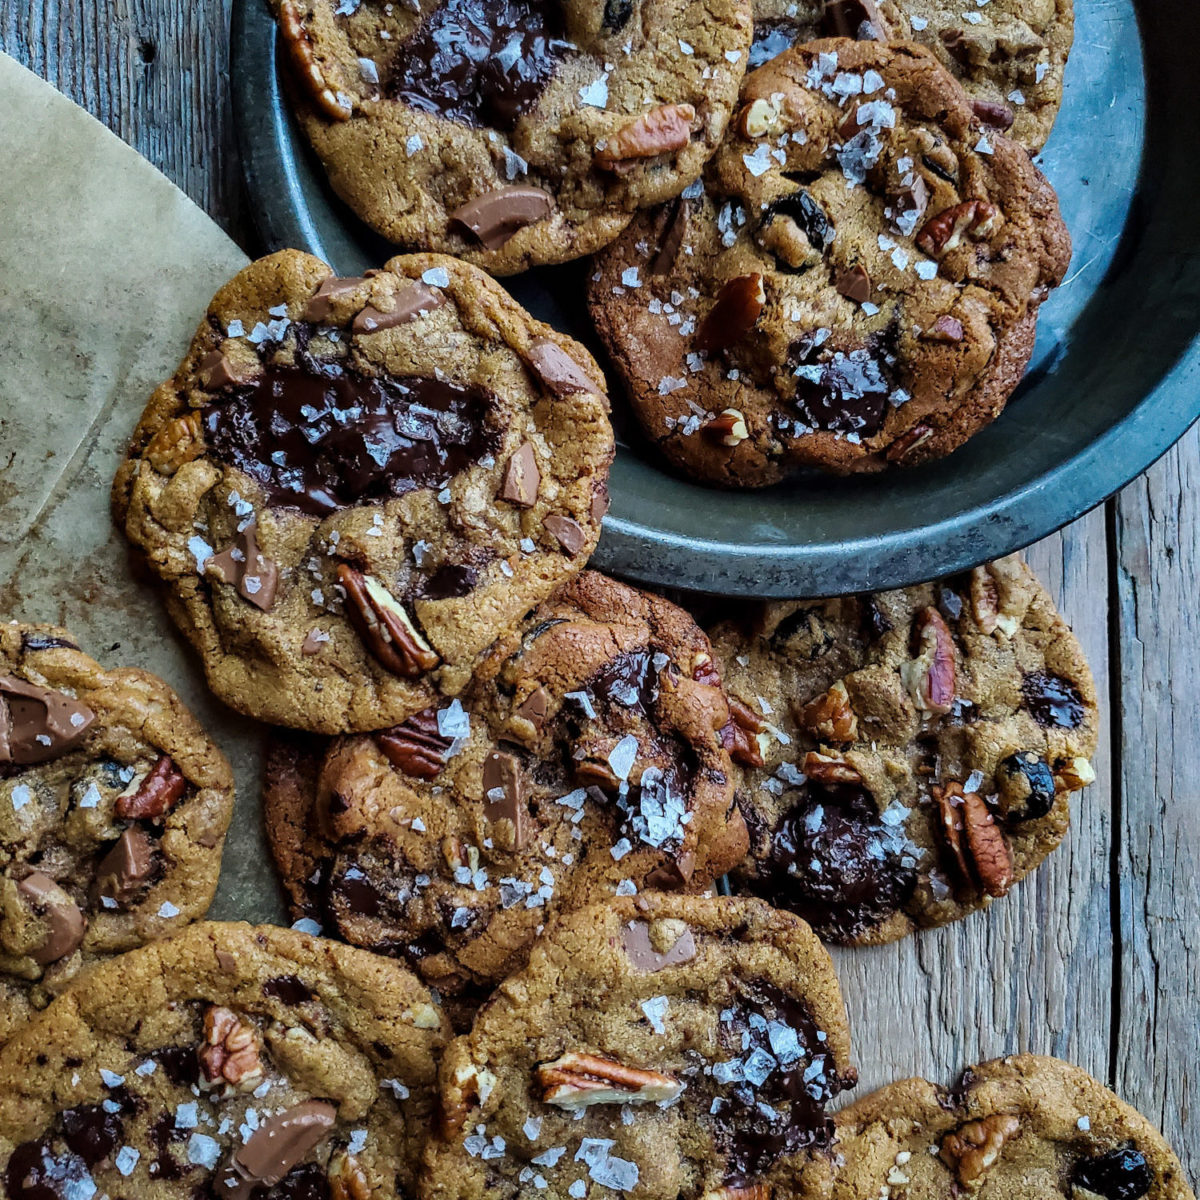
228	1061
854	283
658	1045
512	132
352	487
905	757
584	762
1011	1128
114	804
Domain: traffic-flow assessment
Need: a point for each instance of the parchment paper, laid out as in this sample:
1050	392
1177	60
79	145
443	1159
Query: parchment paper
105	271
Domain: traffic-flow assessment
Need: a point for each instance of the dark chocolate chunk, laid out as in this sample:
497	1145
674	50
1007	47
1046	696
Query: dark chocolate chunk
1027	785
617	14
1053	701
844	393
449	581
807	214
772	38
1121	1174
677	217
288	988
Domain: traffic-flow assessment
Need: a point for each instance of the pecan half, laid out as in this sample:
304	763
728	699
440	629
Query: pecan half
728	428
179	441
985	604
906	445
331	102
384	626
944	232
993	113
470	1087
829	768
930	676
976	843
734	312
577	1080
415	746
229	1058
830	716
662	130
347	1179
749	1191
154	795
972	1149
740	735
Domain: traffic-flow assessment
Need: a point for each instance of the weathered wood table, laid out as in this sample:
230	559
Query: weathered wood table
1097	957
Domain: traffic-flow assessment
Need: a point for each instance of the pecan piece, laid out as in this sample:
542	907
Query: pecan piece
347	1179
829	768
662	130
972	1149
332	103
384	626
759	118
705	671
909	442
748	1191
976	843
179	441
728	429
576	1080
742	735
229	1058
986	606
415	746
830	716
1075	773
993	113
734	312
944	232
154	795
930	676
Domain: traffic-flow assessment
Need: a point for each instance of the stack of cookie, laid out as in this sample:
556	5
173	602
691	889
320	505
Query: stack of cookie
511	784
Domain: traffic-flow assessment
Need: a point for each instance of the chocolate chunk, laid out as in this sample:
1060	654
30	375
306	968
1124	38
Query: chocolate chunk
124	869
1053	701
332	288
807	213
40	641
255	576
854	284
521	478
643	955
534	707
504	791
772	38
566	532
600	502
323	442
617	14
847	393
497	215
853	19
448	582
1121	1174
65	924
993	113
38	724
675	229
909	202
1027	785
288	988
674	875
480	62
276	1146
217	372
313	642
558	371
407	305
226	961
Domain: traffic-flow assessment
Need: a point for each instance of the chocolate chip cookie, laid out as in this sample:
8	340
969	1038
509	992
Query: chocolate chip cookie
1014	1127
906	756
1009	55
585	762
228	1061
659	1045
352	487
113	810
854	284
512	132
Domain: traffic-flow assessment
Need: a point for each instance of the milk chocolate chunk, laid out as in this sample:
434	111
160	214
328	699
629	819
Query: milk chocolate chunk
558	371
521	478
534	707
407	305
217	371
504	790
566	532
125	867
332	288
243	565
497	215
38	724
855	284
278	1144
642	953
65	924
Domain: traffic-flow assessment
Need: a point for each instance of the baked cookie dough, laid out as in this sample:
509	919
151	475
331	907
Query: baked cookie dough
906	756
584	763
230	1061
113	808
1011	1128
352	487
661	1046
512	132
854	284
1009	55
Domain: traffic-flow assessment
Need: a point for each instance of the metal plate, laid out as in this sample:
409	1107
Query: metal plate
1114	381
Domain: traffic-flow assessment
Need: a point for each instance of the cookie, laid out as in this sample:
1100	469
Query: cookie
906	756
658	1045
114	804
585	762
352	487
228	1061
1009	55
1014	1127
512	132
855	284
